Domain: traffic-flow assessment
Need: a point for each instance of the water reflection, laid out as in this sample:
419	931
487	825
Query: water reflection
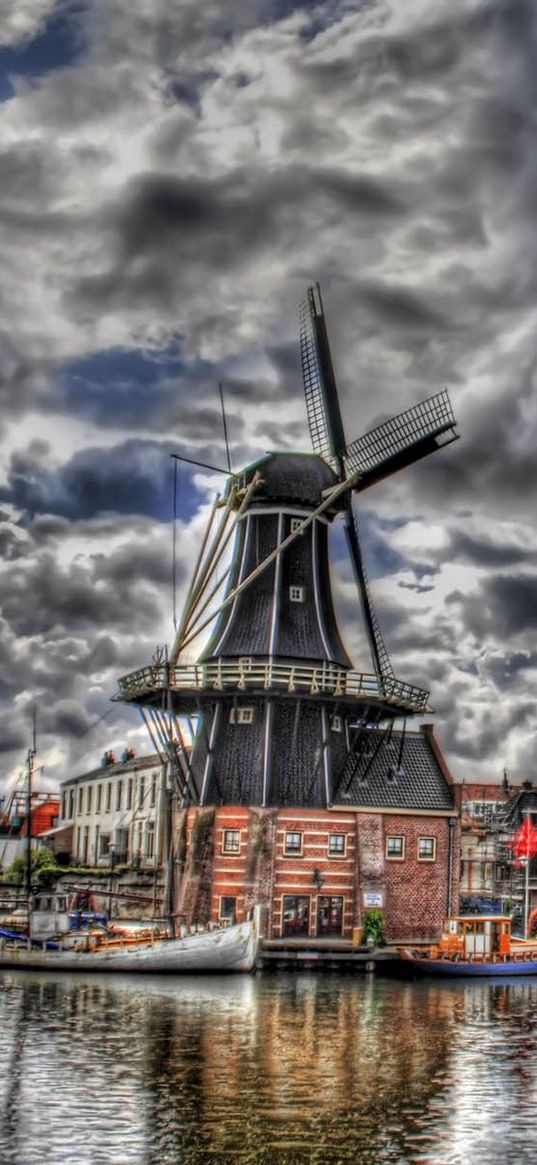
278	1070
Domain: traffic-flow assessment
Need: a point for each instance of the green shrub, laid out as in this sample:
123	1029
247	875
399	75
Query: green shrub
373	927
44	869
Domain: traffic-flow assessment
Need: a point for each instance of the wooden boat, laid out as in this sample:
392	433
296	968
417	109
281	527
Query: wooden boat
146	950
474	945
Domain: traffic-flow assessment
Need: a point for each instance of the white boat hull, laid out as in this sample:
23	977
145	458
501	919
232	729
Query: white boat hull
217	951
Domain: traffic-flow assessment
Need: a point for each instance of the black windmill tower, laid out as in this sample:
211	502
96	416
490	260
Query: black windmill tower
277	713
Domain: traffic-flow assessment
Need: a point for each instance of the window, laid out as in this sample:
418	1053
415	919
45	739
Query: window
108	796
395	849
119	794
337	845
241	716
335	724
98	796
71	804
296	594
231	841
122	845
129	793
295	523
96	850
228	910
153	788
141	791
149	839
293	844
89	791
104	843
80	795
245	662
426	849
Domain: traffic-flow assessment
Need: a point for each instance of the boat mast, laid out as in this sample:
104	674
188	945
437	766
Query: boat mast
30	769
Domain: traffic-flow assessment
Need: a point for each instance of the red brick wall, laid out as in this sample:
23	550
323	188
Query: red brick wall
416	898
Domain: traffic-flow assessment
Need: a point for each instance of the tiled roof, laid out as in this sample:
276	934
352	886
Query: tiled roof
391	777
117	769
524	802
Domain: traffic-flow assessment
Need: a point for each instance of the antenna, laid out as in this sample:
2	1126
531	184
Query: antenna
30	759
201	464
224	422
174	544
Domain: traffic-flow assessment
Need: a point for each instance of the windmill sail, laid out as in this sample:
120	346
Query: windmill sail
401	440
324	415
381	659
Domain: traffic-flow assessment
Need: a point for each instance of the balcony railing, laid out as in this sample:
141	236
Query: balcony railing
265	675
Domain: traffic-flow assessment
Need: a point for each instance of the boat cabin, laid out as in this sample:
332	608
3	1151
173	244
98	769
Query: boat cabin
471	935
49	916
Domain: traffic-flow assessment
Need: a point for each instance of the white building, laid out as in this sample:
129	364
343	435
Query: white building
115	811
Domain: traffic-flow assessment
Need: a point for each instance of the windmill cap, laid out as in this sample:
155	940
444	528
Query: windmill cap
291	477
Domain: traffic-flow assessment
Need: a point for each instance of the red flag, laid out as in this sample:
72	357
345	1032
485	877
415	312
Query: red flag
524	841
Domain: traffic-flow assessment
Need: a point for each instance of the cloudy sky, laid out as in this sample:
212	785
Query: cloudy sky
173	176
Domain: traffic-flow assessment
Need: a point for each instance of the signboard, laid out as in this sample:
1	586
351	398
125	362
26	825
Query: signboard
373	898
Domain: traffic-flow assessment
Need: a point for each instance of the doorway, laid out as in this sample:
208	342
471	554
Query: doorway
295	914
329	915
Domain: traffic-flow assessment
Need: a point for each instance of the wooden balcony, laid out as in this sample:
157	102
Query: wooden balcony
261	676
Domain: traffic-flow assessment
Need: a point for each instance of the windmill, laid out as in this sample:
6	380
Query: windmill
275	710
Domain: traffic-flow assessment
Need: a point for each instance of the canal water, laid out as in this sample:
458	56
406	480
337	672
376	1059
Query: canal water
291	1069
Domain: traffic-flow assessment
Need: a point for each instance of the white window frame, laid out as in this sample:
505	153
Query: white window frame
336	724
232	850
293	853
337	853
296	594
295	524
395	857
244	715
427	857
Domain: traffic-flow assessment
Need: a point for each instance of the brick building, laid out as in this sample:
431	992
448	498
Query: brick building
393	843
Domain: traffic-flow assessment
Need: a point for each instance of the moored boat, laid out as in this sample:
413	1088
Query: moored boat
474	945
230	949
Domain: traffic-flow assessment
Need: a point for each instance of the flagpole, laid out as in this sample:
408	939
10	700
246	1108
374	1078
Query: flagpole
527	879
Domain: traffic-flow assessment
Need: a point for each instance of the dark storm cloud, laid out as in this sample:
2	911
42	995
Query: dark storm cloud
155	392
161	220
484	552
494	463
134	477
44	596
136	561
505	607
400	307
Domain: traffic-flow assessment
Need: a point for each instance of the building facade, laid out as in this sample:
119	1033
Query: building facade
114	812
317	871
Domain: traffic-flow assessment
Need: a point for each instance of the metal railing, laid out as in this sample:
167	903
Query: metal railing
267	675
